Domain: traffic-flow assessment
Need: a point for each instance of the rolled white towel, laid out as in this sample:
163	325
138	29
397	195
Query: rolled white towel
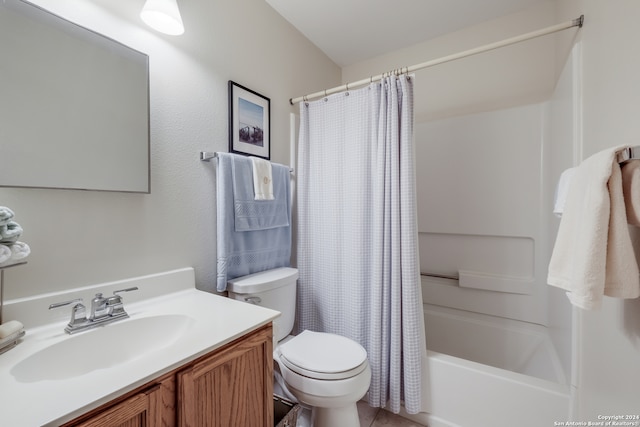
6	215
5	253
10	232
19	250
12	327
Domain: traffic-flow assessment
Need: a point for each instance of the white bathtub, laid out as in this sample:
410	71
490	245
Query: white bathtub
490	372
508	344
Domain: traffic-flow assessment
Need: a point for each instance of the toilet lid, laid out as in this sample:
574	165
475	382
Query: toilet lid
323	355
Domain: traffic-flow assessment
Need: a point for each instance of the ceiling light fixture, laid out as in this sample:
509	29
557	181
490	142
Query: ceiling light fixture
163	16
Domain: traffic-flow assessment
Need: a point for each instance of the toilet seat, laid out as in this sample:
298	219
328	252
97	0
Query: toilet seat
323	356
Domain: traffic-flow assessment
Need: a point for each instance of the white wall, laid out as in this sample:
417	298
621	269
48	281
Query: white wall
515	75
79	238
608	347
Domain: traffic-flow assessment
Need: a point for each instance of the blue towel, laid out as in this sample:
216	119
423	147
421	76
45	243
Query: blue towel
251	214
265	245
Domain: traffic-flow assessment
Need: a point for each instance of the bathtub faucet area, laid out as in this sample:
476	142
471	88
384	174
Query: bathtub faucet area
103	311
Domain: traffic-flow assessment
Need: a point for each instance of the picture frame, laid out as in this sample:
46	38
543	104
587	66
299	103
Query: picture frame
249	122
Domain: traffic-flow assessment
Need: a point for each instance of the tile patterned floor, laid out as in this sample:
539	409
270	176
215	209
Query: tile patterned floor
375	417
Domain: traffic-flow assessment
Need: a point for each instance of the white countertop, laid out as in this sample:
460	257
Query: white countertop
215	321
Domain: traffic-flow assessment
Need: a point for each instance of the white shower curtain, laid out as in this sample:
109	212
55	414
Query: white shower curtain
357	232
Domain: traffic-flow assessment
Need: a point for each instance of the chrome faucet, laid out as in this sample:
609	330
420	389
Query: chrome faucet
103	311
98	307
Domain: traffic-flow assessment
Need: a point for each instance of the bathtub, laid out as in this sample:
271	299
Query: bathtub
483	371
503	343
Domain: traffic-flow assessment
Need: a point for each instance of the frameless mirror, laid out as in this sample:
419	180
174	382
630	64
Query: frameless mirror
74	105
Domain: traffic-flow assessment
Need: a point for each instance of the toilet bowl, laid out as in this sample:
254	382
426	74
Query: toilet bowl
326	372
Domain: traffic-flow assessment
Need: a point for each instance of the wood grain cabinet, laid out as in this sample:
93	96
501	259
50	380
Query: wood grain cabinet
231	386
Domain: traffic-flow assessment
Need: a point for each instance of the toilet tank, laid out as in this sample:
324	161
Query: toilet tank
274	289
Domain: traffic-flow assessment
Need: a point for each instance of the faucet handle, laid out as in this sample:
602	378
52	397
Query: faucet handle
78	311
62	304
114	303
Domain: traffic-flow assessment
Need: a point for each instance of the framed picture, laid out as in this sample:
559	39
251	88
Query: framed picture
249	122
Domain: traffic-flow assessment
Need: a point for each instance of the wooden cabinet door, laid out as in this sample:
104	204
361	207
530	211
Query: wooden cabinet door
151	406
233	387
133	412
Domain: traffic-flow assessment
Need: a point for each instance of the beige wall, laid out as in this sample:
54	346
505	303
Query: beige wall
80	238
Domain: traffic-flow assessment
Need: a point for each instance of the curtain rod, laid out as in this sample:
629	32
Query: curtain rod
578	22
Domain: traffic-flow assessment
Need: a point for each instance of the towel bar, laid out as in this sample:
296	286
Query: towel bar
631	153
440	276
206	156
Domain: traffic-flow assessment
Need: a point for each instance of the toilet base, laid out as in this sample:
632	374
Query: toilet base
344	416
332	401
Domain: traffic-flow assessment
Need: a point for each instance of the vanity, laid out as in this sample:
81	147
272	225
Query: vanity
183	358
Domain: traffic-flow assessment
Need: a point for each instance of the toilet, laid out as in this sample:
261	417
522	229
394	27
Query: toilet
327	373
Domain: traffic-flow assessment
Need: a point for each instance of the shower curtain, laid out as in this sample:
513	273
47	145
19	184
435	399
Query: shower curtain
357	247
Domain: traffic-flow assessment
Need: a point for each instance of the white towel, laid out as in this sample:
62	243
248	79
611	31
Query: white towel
561	191
19	251
5	253
10	328
6	215
262	179
593	254
10	232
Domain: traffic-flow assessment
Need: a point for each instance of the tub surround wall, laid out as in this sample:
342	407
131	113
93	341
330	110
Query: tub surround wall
561	151
81	237
484	225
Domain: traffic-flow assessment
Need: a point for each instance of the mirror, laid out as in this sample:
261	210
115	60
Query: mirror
74	105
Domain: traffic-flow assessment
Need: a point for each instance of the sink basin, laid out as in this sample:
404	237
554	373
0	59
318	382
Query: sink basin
102	348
